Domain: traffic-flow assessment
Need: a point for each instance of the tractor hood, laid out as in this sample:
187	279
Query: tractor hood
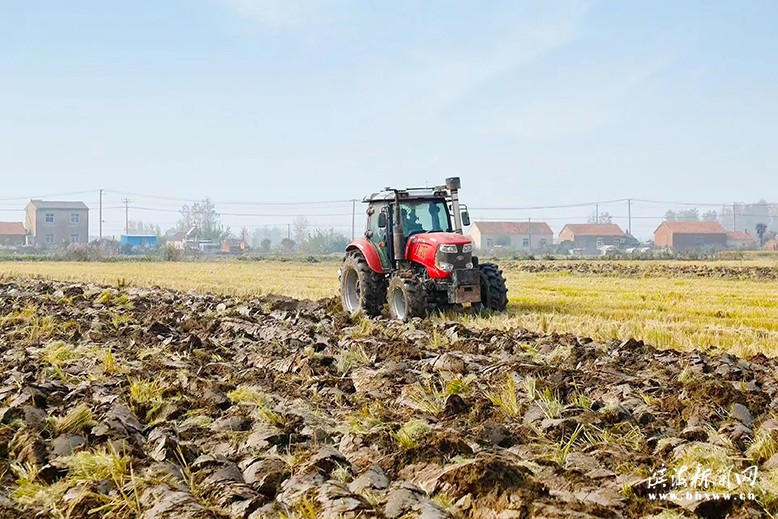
440	238
424	250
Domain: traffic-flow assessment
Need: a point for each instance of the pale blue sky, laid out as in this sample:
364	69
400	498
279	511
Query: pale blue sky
531	103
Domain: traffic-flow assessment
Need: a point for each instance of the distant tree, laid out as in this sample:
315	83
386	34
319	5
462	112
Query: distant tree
684	215
244	234
300	229
287	245
710	216
688	215
324	242
264	245
138	227
761	230
604	217
204	218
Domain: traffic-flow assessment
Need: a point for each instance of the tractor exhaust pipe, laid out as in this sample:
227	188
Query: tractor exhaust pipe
397	231
453	185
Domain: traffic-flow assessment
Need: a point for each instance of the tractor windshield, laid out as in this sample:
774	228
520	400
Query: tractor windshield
424	216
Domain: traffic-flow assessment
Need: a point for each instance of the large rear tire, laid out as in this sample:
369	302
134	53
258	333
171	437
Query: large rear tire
361	288
406	298
494	293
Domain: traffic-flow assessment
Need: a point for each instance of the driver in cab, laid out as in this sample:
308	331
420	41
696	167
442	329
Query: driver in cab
411	221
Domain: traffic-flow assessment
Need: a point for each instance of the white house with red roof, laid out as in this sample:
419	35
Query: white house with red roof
511	235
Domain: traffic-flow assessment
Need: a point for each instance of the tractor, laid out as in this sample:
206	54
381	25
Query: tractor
415	257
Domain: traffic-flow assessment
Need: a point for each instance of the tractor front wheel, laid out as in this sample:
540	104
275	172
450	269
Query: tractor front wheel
406	298
494	294
361	288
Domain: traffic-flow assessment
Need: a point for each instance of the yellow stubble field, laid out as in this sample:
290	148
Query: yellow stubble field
735	315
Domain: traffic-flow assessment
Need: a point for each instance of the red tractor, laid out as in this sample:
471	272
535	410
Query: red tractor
416	258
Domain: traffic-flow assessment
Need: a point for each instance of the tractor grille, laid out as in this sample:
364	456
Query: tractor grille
467	277
459	259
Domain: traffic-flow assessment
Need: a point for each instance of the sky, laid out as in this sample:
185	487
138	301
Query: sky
259	102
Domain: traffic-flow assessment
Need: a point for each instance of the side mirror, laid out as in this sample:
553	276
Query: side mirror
465	218
382	220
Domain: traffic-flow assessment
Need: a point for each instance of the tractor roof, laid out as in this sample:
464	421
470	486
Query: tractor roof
412	193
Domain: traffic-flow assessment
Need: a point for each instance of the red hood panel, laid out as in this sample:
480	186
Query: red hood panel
436	238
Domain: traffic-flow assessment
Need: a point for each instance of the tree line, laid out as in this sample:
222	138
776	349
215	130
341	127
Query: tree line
201	221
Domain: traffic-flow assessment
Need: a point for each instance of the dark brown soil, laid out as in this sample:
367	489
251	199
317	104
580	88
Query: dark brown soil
340	417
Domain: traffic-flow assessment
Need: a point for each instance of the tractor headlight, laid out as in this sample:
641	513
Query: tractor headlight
451	249
445	267
467	247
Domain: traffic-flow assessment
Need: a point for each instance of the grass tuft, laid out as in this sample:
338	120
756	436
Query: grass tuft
427	397
505	397
252	395
409	435
763	447
352	357
60	353
75	421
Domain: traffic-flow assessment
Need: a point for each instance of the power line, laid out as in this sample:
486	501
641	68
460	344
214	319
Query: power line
539	207
320	202
38	197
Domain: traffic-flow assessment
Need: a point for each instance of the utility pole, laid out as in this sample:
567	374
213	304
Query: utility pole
289	231
353	218
734	217
597	213
100	226
126	202
629	215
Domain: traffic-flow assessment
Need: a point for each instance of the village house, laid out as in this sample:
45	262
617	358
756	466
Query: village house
592	237
54	224
12	234
690	235
740	240
511	235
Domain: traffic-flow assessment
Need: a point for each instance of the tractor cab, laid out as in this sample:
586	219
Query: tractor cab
423	219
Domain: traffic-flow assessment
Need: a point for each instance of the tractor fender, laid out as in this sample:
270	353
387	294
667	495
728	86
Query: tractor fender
368	250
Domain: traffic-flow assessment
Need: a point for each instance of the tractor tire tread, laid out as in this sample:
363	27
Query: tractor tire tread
373	284
413	291
497	292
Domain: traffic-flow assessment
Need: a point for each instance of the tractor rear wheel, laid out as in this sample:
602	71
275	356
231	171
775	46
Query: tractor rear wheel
406	298
494	293
361	288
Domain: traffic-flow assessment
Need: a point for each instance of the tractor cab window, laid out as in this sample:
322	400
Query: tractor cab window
378	234
424	216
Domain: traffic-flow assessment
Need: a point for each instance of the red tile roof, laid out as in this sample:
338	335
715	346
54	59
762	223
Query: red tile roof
740	236
694	227
12	229
595	229
513	228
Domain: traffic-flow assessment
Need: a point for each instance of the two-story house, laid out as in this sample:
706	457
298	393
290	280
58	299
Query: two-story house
57	224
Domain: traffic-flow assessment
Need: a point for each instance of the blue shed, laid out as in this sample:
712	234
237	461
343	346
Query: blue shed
146	241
